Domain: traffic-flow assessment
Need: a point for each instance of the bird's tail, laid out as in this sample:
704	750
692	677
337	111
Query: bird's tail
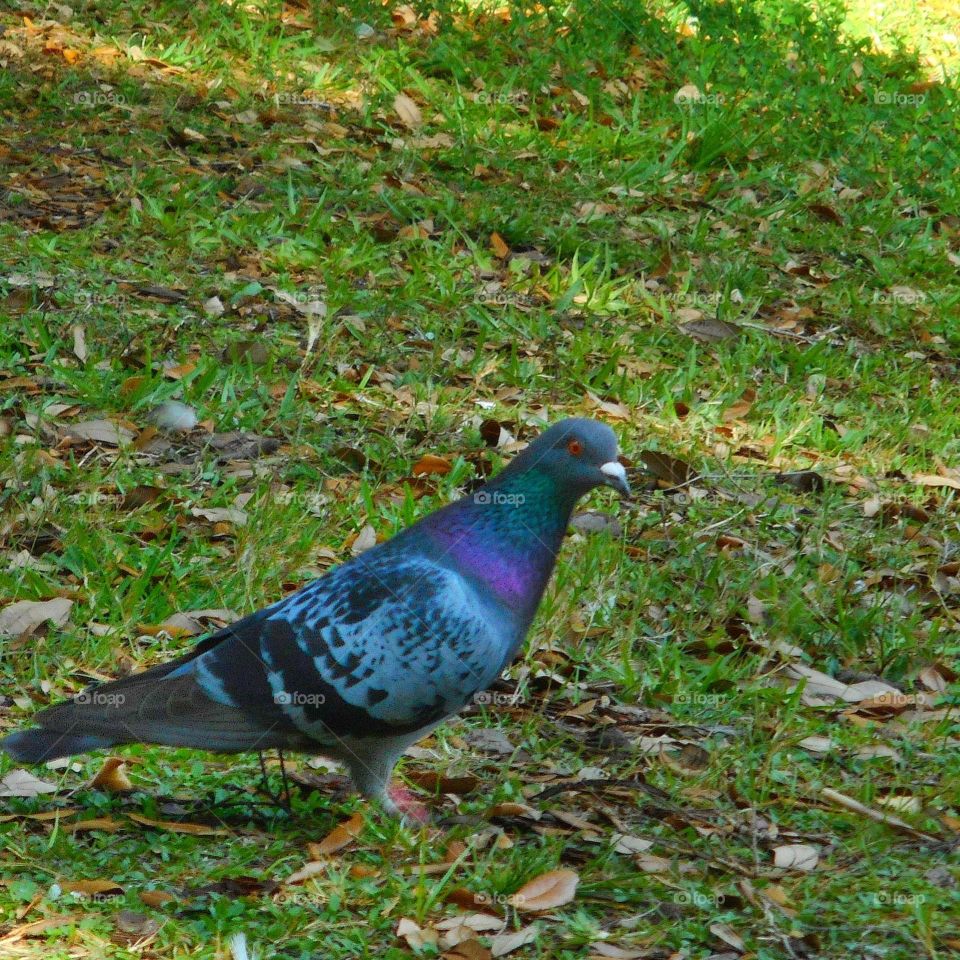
39	745
164	705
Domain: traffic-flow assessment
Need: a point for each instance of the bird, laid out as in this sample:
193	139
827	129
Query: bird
358	665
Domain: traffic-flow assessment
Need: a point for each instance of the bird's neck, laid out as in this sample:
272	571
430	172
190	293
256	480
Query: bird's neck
506	536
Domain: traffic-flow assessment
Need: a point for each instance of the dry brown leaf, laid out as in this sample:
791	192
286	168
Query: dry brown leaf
22	783
36	927
552	889
455	930
107	824
92	887
99	431
24	616
155	898
936	678
610	408
796	856
80	343
112	777
308	870
41	816
404	17
220	515
857	807
666	468
429	463
417	937
364	540
504	943
468	950
408	112
339	837
176	826
729	936
499	246
935	480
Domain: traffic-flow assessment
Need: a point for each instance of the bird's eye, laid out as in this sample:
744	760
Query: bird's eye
575	447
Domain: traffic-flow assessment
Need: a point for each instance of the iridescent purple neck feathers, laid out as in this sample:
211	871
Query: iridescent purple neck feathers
506	537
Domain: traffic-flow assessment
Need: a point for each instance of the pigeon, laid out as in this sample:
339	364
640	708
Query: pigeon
363	662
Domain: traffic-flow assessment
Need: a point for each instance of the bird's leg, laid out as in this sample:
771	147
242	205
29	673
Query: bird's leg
371	777
403	804
279	800
288	802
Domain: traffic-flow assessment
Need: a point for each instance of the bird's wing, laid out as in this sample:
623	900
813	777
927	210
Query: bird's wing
376	648
379	646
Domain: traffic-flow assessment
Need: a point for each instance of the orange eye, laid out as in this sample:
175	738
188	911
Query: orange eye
575	447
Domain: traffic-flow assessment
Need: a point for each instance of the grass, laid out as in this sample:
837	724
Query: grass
806	193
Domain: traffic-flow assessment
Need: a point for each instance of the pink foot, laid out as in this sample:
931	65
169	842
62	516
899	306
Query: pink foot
407	806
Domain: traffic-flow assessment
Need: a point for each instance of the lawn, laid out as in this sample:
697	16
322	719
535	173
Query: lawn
278	279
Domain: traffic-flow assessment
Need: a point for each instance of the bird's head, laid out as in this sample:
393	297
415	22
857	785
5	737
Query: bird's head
580	453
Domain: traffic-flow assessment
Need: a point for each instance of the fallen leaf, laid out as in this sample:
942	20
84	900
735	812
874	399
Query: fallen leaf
669	469
112	777
42	815
177	826
552	889
408	112
155	898
595	521
107	824
220	515
504	943
24	616
22	783
710	330
417	937
857	807
429	463
339	837
726	933
935	480
80	343
796	856
99	431
499	246
468	950
93	887
611	408
310	869
134	926
364	540
404	17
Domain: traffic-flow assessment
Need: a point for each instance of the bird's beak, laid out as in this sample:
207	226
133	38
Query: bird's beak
615	476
